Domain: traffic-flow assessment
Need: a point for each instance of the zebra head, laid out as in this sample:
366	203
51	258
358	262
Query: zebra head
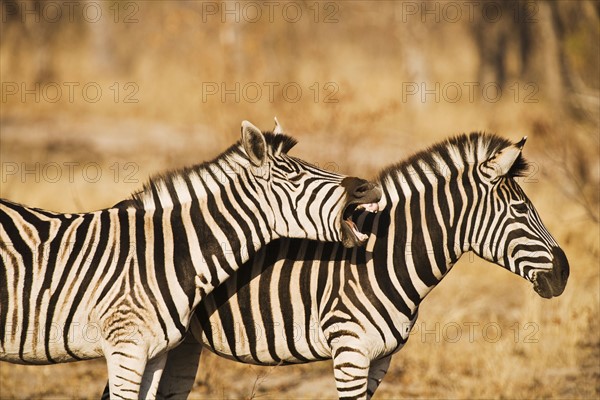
511	230
302	200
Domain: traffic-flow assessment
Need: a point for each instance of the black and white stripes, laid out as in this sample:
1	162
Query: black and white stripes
302	301
123	282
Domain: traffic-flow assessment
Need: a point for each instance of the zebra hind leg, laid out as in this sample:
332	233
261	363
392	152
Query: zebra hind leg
106	393
180	371
377	372
351	372
151	378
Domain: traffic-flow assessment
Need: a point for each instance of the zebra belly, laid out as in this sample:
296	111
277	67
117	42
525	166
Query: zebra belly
265	345
262	354
47	335
58	343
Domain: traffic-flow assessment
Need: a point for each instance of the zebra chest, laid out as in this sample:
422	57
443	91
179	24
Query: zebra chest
137	313
351	319
136	324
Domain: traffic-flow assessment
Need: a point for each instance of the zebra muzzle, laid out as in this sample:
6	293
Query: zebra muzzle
351	235
546	284
361	195
551	283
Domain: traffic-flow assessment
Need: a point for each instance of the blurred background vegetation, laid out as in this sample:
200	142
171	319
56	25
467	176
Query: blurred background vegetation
97	95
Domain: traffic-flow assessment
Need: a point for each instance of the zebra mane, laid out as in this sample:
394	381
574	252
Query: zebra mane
474	147
276	143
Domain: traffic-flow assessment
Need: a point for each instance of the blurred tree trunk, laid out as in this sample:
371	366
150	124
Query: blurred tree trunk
527	43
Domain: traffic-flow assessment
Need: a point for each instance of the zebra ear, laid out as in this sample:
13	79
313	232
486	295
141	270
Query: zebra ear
278	129
502	161
254	143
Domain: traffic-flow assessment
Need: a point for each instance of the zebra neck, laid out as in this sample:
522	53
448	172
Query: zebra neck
423	234
216	231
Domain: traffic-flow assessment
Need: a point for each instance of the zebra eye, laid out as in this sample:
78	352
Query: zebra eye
296	177
283	168
520	208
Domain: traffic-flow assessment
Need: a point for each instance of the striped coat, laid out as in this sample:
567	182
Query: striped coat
301	301
123	282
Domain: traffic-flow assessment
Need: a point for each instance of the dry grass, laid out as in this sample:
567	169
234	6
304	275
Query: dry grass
368	54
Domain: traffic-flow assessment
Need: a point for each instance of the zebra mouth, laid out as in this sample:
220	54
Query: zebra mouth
351	236
541	284
551	282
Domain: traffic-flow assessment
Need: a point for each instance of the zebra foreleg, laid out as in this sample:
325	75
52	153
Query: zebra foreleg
125	371
180	371
150	379
377	371
351	372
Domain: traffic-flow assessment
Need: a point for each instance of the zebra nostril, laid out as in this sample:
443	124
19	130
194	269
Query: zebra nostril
561	263
362	189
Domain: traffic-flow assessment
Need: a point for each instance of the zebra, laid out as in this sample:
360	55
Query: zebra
301	301
131	276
